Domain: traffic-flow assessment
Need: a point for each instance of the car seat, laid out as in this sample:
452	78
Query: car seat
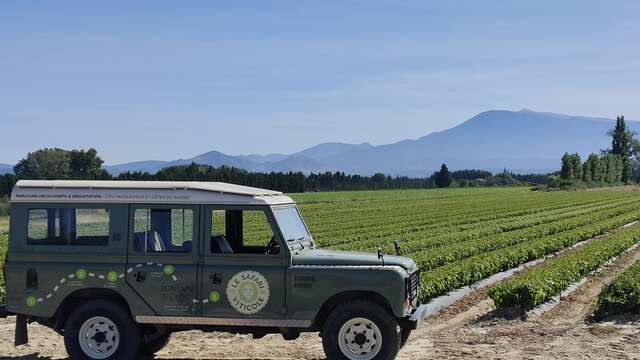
223	244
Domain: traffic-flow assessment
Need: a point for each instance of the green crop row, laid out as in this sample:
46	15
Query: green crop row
335	224
442	255
510	228
534	287
513	229
456	274
419	235
431	212
622	295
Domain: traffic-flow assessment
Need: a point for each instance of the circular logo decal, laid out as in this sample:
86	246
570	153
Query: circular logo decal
168	270
214	296
248	292
81	274
112	276
31	301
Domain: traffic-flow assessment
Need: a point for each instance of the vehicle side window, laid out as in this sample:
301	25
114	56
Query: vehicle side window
68	226
242	232
163	230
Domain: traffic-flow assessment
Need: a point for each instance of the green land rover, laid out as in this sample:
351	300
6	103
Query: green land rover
116	267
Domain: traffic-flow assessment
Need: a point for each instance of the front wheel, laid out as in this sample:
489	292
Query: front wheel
152	342
101	329
361	330
404	337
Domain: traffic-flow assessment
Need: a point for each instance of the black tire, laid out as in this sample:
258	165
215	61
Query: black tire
382	318
404	337
153	342
128	332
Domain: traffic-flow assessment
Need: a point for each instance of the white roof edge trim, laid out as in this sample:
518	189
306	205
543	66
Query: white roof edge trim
216	187
143	192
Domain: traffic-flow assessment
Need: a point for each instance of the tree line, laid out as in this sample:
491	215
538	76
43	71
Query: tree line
473	178
618	165
286	182
60	164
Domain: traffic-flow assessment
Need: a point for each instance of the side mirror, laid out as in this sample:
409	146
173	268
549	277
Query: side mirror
396	245
380	255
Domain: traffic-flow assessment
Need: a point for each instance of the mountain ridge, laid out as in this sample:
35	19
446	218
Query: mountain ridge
6	169
521	141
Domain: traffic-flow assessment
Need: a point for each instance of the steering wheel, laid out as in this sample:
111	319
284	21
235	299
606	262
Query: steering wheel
273	245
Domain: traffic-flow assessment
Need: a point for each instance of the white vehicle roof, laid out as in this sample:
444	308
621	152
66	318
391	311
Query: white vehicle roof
161	192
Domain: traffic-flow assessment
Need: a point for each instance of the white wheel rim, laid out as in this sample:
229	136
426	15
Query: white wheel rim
99	337
360	339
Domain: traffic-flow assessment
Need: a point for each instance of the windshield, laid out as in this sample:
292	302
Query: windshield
291	224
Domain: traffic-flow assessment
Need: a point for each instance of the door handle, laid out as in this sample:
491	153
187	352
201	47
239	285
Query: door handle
141	276
216	279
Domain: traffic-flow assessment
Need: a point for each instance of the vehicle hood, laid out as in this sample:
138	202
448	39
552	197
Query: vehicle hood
350	258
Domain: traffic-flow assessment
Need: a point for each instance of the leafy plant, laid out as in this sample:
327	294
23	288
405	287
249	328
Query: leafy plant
622	295
534	287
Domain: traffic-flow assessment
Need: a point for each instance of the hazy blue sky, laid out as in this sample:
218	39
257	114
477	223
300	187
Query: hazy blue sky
168	79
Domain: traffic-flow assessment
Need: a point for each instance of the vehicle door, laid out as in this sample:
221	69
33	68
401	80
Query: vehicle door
243	264
162	258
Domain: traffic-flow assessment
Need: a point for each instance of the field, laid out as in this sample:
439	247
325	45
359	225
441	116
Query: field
461	236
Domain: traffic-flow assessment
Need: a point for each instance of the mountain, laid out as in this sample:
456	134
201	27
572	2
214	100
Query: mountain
330	149
297	162
150	166
521	141
216	158
6	169
261	159
213	158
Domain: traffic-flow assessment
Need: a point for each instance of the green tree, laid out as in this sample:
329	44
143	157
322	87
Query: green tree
60	164
599	168
587	173
621	139
44	164
593	169
505	179
443	177
622	145
613	165
571	168
576	166
86	165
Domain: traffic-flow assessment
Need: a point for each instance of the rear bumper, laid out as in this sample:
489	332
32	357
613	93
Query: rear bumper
417	317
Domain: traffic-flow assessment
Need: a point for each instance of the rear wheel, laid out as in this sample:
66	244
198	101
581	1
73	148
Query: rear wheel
361	330
101	329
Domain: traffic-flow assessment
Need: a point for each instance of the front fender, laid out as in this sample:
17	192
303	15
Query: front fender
311	286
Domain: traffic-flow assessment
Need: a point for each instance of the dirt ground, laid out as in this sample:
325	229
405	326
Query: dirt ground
468	329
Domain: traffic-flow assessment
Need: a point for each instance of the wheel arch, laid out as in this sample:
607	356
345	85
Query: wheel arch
343	297
82	295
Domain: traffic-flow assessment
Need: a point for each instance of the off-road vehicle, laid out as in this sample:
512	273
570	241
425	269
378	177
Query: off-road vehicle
116	267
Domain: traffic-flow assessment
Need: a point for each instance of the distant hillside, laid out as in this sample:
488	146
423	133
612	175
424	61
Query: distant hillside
6	169
213	158
264	158
521	141
329	150
150	166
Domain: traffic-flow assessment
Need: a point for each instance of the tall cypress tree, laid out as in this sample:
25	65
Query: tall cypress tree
621	145
443	178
